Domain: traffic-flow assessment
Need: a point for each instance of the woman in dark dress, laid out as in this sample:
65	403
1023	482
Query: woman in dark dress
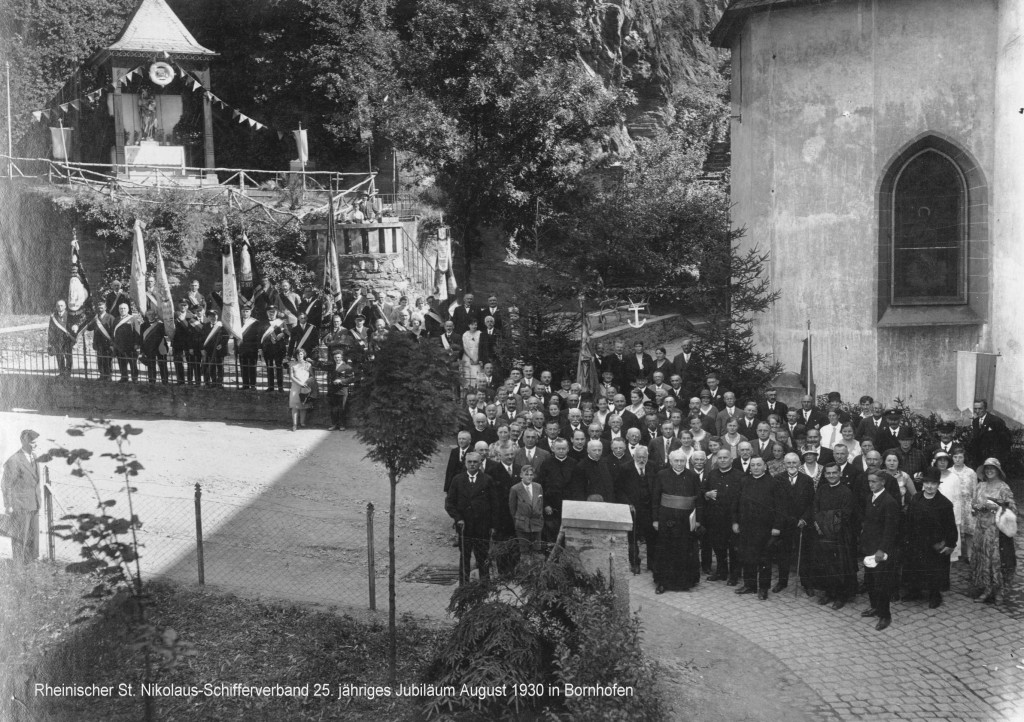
931	537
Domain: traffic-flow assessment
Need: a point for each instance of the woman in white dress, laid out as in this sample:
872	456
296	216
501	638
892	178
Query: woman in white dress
471	355
951	488
851	444
968	483
303	388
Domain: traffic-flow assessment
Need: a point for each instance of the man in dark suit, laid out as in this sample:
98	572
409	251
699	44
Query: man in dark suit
594	474
793	425
715	390
639	364
489	335
772	406
632	488
61	337
20	487
554	474
748	422
462	313
721	487
814	443
991	437
796	495
871	425
847	470
762	443
154	346
880	521
689	367
505	474
215	348
102	340
616	363
889	435
482	431
127	343
457	459
305	336
659	448
471	501
808	415
493	310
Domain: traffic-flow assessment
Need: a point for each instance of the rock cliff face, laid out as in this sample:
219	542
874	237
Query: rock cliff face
656	48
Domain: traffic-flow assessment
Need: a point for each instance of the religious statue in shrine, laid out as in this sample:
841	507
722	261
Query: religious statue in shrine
147	112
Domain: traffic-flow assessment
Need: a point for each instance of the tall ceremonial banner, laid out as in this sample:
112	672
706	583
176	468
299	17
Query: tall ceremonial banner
586	370
332	274
231	316
163	295
244	263
137	282
303	144
78	286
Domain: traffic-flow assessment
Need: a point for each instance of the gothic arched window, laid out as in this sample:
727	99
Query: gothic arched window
929	231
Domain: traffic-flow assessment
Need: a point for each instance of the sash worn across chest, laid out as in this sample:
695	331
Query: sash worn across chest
685	503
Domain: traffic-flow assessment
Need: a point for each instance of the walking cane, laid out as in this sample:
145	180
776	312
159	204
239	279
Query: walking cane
460	528
799	554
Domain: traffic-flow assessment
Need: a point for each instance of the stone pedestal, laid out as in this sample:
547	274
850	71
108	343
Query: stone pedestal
597	532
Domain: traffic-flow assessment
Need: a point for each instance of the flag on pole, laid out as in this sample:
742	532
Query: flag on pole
806	365
78	286
231	316
137	282
165	304
586	370
303	144
332	274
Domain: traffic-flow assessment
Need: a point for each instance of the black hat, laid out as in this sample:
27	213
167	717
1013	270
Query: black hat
904	433
182	301
245	307
932	473
893	413
834	396
946	427
360	317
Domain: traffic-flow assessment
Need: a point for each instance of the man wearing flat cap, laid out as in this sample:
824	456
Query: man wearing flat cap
20	487
888	435
945	431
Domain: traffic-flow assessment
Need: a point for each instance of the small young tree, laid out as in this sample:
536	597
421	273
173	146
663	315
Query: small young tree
406	409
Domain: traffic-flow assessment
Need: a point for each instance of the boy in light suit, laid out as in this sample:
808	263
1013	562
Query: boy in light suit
526	504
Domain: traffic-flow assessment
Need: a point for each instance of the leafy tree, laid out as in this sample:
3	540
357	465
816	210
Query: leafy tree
545	328
110	553
406	408
494	96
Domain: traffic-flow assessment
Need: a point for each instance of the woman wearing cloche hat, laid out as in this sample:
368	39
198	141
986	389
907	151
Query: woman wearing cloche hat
993	561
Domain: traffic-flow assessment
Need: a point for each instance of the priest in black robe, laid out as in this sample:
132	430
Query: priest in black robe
833	522
931	538
757	518
677	505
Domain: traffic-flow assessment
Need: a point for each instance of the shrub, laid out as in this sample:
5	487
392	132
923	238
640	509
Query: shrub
547	625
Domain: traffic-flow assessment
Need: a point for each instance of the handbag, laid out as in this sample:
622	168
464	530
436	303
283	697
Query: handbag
1006	522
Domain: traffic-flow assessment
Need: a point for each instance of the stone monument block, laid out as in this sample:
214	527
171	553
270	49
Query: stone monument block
597	532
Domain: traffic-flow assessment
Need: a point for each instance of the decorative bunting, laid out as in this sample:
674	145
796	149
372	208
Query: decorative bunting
37	115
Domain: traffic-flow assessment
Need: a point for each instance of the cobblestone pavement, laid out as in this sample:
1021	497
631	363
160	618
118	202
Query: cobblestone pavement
962	661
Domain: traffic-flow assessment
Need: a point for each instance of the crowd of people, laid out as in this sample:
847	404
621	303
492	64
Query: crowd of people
740	491
292	335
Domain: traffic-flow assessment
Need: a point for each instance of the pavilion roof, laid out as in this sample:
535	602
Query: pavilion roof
153	27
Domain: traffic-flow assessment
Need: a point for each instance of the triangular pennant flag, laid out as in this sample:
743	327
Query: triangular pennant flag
242	118
37	115
166	54
76	104
63	107
251	122
280	135
209	96
235	114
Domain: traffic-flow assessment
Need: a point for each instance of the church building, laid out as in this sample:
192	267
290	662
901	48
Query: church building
877	151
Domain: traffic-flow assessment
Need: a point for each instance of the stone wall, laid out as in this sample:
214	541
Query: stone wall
98	398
